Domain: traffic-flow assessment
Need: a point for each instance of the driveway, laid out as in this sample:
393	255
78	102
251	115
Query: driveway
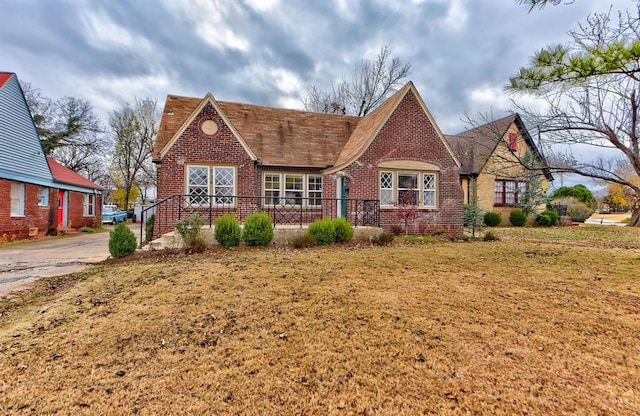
24	264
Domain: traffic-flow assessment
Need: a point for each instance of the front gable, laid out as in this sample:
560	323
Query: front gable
206	119
22	158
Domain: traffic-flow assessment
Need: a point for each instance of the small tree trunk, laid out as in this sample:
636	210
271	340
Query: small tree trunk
635	217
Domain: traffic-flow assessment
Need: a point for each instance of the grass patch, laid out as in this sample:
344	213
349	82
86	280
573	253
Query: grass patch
420	239
539	324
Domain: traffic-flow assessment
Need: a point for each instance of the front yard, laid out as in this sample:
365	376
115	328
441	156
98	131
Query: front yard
544	321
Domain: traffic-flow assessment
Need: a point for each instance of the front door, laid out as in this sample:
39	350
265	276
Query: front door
344	195
60	208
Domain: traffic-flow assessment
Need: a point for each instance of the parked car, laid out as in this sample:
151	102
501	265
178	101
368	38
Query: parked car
111	214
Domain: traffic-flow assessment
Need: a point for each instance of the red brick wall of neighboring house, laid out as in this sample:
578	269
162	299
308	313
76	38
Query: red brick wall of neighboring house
75	211
409	135
34	223
42	218
195	147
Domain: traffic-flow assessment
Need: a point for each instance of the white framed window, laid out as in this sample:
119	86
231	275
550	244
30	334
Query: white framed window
17	199
198	185
292	189
314	190
217	181
408	188
386	188
43	196
429	190
272	188
224	185
88	205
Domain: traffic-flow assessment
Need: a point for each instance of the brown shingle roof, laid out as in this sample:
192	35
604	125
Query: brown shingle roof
277	136
369	126
473	147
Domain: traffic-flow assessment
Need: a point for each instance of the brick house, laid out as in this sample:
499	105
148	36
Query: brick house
37	195
215	157
494	157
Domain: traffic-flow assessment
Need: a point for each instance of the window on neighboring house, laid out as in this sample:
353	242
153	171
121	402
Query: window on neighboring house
43	196
292	189
509	192
89	205
513	141
17	199
412	188
218	181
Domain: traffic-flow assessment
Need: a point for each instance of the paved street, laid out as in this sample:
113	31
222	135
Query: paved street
23	264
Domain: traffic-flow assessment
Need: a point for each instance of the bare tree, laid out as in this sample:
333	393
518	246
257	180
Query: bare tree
69	130
371	84
133	130
591	88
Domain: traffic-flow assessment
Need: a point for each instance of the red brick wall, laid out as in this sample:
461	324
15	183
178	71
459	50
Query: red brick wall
17	228
45	219
75	211
409	135
195	147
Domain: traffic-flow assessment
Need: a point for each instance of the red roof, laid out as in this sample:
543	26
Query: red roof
66	175
4	76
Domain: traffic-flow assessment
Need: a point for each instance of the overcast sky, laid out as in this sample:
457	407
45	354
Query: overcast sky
268	52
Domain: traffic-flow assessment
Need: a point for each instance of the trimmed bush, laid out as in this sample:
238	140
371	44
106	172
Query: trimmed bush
492	219
304	241
189	230
553	216
543	220
227	232
258	230
148	227
122	241
324	231
517	218
344	230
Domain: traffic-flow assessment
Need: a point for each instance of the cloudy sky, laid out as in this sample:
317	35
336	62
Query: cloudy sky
268	52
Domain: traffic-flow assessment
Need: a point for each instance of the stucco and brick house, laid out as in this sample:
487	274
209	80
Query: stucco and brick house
214	156
37	196
494	158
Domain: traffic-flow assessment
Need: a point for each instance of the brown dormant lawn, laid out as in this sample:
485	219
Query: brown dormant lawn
544	321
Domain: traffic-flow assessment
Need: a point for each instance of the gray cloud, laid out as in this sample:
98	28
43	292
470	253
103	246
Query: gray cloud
110	52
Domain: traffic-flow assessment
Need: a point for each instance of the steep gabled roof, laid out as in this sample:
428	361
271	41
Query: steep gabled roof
22	158
4	76
369	127
474	147
277	137
63	174
282	137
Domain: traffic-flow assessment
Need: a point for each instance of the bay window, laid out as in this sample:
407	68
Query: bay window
408	188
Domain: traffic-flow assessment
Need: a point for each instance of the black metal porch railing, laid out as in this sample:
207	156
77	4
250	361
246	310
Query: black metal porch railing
282	210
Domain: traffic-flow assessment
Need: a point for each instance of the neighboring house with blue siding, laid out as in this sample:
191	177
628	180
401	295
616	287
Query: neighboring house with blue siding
37	196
